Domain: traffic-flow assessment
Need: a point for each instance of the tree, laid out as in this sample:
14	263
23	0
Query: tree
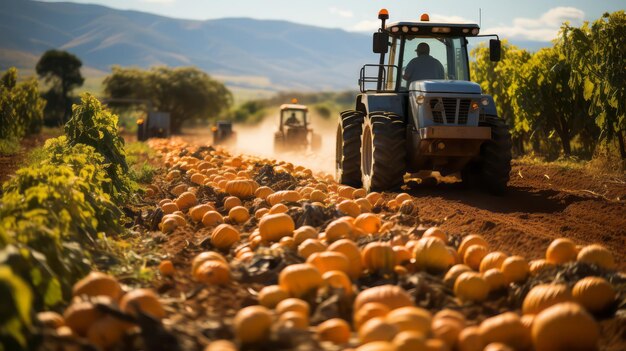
21	107
186	93
62	70
495	78
597	54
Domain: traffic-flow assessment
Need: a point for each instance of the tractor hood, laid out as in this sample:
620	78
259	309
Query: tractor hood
445	86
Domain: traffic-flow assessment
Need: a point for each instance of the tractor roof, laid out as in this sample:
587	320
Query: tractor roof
425	28
293	107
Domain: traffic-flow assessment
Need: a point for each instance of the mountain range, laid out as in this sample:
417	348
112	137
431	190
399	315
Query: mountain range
243	52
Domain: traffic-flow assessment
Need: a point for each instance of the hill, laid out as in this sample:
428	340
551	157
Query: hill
244	52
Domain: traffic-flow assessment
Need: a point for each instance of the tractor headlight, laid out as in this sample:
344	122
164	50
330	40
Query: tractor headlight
420	99
484	101
474	106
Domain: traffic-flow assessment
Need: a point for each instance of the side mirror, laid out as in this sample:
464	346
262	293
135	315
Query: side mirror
495	50
381	43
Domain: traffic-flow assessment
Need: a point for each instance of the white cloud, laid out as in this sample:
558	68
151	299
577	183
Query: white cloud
449	19
544	28
366	26
341	13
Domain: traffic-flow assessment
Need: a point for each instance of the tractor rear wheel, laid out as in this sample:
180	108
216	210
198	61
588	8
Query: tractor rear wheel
492	170
348	148
383	152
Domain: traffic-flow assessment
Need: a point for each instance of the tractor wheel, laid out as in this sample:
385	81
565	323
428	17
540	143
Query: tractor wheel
383	152
348	148
492	170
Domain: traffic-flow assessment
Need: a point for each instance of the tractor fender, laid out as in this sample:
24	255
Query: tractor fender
387	102
490	109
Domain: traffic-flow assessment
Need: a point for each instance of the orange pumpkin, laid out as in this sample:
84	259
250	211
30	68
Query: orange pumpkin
231	202
186	200
239	214
410	318
474	255
338	280
377	329
263	192
241	188
565	326
470	339
283	196
212	218
506	328
473	239
335	330
391	296
329	261
453	273
432	255
79	316
543	296
492	260
293	320
203	257
409	341
560	251
378	256
515	269
98	284
338	229
495	279
293	304
300	279
273	227
303	233
349	207
595	294
197	212
252	324
597	255
309	247
352	252
144	300
368	222
224	236
470	286
368	311
437	233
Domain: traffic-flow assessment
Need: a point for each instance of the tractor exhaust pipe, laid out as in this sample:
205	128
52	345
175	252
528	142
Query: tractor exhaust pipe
383	15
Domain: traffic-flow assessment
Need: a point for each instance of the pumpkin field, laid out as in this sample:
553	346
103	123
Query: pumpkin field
227	251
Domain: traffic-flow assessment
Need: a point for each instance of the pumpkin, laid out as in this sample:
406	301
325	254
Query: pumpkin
403	254
349	207
166	267
597	255
212	218
391	296
470	339
252	324
329	261
515	269
409	341
318	196
359	193
437	233
345	191
300	279
368	222
595	294
403	197
198	178
224	236
410	318
447	330
474	255
221	345
392	205
279	208
560	251
186	200
376	346
338	229
453	273
352	253
470	286
50	319
273	227
197	212
338	280
452	314
79	316
377	329
565	326
473	239
432	255
373	197
506	328
368	311
309	247
527	321
239	214
293	304
242	188
287	241
543	296
335	330
106	332
303	233
364	205
263	192
492	260
293	320
231	202
213	272
169	208
261	212
144	300
98	284
407	207
173	174
536	266
203	257
378	256
283	196
495	279
498	346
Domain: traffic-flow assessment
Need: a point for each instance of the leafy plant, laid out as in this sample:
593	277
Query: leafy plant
21	107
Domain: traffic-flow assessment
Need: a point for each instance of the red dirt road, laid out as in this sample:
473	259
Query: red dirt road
544	203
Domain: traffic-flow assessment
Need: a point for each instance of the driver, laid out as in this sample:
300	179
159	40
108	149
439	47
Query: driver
292	120
423	66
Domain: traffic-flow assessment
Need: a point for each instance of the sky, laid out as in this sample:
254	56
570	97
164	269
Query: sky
537	20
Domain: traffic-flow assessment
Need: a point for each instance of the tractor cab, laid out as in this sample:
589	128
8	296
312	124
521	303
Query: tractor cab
223	133
293	129
293	116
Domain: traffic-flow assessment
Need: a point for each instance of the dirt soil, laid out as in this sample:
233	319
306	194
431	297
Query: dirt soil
544	202
10	164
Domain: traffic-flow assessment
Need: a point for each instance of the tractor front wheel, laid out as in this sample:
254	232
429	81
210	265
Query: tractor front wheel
383	152
348	148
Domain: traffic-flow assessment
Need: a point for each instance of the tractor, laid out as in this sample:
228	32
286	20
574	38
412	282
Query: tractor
414	115
223	133
293	130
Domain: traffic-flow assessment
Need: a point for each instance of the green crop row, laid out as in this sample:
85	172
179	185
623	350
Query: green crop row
53	215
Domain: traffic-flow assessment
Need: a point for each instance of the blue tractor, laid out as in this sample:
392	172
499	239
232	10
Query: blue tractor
419	111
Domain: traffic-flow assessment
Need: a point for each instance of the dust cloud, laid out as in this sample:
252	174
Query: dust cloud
258	140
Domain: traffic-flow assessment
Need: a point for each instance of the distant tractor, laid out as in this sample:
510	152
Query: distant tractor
420	112
156	125
223	133
293	131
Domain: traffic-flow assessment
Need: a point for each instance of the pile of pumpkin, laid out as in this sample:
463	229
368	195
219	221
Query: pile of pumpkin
364	239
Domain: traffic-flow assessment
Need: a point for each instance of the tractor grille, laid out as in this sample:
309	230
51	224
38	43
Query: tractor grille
453	110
